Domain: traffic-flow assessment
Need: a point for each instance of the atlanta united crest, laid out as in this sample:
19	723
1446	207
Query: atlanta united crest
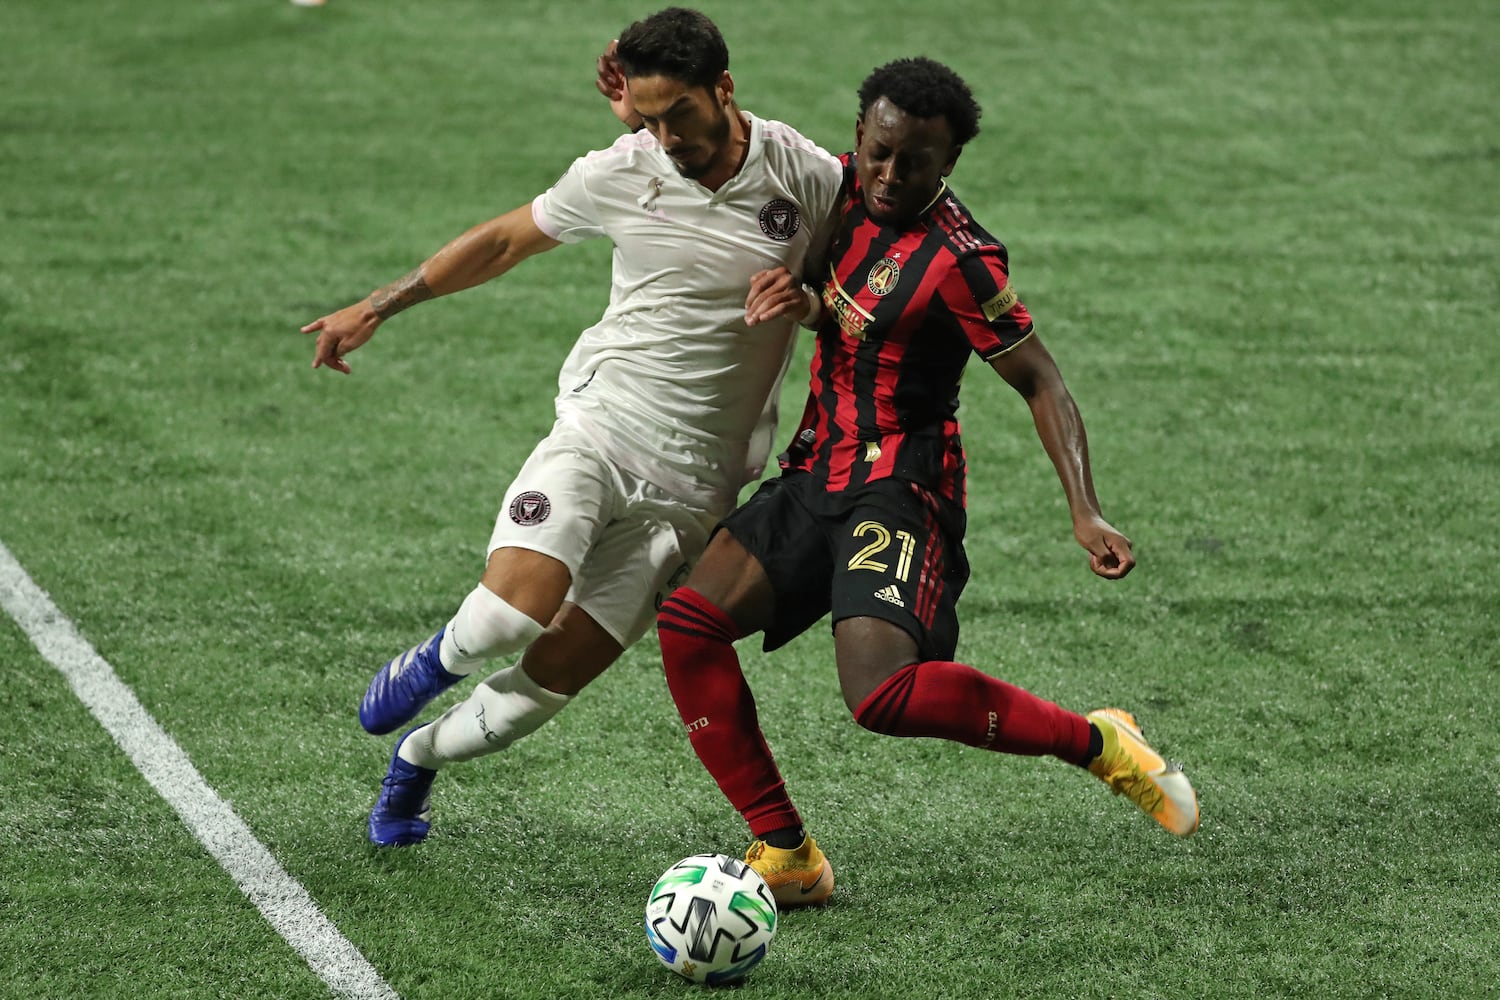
530	508
780	220
883	276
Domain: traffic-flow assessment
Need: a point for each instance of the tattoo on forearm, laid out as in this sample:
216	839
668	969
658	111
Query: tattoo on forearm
399	295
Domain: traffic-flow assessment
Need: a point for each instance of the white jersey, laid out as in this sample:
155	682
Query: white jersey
671	382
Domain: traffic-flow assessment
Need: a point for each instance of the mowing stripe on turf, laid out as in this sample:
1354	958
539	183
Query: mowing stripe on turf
279	897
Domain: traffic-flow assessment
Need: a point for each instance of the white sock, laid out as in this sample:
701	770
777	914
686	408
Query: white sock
506	707
484	628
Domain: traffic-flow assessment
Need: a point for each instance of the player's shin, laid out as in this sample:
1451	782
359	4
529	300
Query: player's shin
506	707
704	677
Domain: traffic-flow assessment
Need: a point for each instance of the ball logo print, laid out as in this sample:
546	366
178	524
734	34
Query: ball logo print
530	508
710	918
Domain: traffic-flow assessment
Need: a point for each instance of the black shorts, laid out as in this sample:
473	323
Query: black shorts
889	550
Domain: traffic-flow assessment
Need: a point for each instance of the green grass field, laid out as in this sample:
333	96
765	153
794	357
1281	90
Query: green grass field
1261	240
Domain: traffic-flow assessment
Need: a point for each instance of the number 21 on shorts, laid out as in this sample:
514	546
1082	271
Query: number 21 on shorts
879	541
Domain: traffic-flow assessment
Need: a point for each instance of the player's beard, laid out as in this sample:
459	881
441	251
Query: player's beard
716	139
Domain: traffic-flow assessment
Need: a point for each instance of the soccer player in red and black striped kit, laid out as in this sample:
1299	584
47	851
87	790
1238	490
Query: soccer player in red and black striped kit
867	519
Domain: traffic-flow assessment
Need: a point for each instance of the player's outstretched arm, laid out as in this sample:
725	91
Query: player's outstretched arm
1030	370
484	252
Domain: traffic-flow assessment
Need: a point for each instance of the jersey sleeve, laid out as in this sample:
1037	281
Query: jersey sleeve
826	201
566	212
980	296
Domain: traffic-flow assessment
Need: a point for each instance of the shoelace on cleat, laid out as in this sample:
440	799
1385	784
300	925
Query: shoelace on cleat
757	851
1131	781
394	795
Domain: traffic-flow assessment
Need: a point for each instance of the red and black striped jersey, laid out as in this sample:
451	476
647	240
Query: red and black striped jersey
903	311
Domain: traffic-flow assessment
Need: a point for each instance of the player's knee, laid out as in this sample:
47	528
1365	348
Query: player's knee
487	626
533	583
868	719
869	653
854	697
859	678
877	698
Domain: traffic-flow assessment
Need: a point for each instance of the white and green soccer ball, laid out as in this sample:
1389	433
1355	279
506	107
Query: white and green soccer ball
710	918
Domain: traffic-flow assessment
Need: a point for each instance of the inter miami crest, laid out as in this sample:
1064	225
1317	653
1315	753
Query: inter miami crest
883	276
780	220
530	508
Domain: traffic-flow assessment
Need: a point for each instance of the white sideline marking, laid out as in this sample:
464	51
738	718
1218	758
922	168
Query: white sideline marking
280	898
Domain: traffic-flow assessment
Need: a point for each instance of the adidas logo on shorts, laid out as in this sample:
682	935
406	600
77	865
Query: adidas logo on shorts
891	596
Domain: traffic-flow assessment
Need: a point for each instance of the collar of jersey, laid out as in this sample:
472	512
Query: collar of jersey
942	190
755	152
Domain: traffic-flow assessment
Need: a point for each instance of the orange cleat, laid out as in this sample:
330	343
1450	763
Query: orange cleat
1128	765
798	877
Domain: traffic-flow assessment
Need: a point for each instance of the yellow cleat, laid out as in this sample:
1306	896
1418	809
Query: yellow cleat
799	877
1128	765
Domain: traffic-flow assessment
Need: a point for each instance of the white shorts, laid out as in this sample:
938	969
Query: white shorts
626	542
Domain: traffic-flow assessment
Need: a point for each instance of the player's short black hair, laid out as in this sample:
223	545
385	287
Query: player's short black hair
925	88
678	43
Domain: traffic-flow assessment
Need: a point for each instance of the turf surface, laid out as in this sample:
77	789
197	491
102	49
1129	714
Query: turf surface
1261	241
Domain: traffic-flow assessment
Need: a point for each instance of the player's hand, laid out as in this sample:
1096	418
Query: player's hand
1109	551
342	332
775	293
609	79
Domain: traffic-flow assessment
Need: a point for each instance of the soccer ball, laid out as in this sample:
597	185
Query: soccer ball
710	918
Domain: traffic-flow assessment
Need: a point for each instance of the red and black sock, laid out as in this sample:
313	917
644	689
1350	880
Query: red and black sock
704	676
952	701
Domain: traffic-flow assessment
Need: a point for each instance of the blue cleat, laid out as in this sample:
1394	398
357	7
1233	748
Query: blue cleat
401	816
403	687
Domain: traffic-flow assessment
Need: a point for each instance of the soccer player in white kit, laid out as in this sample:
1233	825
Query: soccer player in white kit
665	407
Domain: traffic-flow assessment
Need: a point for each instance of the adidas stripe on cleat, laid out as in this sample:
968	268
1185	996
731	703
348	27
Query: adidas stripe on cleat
799	877
403	687
402	814
1129	766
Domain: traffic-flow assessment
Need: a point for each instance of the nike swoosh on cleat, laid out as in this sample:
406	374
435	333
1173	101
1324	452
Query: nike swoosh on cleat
816	882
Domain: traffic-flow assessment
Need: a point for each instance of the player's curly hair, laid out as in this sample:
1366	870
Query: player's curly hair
678	43
925	88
